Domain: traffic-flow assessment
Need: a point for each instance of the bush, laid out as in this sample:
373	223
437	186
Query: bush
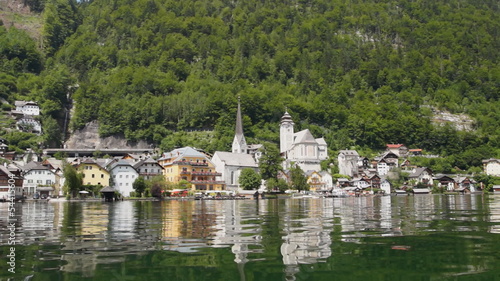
133	194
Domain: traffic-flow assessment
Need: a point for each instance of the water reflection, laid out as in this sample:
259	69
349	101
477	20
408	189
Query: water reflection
290	239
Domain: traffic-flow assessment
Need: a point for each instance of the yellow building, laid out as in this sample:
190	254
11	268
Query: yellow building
94	172
193	166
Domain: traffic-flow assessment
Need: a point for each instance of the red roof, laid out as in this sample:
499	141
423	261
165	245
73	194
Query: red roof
394	145
416	149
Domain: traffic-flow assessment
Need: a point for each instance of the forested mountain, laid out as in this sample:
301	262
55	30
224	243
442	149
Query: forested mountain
358	72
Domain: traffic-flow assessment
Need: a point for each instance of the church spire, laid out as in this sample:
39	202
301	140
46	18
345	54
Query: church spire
239	142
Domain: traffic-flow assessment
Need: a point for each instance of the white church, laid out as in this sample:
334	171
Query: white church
300	148
230	164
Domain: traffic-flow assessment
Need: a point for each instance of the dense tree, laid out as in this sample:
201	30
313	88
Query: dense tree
298	179
139	185
73	182
270	162
249	179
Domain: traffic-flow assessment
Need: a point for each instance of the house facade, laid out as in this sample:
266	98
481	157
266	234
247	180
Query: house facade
94	172
148	168
348	162
193	166
10	176
492	167
123	175
39	179
27	108
422	175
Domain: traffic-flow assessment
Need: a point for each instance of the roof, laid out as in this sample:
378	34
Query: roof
236	159
120	162
349	152
179	153
23	103
107	189
394	145
34	166
304	136
418	172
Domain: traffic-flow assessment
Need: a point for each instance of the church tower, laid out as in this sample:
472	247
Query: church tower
239	142
286	132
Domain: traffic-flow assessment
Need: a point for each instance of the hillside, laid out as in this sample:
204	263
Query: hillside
359	73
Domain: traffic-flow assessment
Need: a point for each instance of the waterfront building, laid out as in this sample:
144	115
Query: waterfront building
300	148
193	166
39	179
9	172
123	175
148	168
94	171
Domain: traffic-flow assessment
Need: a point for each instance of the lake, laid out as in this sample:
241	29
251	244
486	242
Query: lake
421	237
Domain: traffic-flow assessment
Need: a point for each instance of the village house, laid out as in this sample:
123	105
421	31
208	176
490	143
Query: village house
386	162
319	181
399	149
10	173
464	184
193	166
39	179
386	186
94	171
445	181
348	162
491	167
148	168
421	175
26	108
123	176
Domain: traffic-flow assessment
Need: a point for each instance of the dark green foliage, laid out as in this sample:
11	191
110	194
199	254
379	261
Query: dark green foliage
270	162
298	179
358	73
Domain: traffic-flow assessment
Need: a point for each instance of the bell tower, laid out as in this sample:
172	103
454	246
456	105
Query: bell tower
239	142
286	132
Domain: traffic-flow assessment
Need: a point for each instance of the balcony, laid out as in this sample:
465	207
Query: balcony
206	174
207	182
185	173
189	163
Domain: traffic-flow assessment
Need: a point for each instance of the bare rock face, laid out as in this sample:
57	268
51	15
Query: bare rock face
88	138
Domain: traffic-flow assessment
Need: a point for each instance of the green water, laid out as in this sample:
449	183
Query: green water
424	237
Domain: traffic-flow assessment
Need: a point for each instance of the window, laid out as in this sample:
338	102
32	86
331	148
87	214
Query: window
93	176
30	181
102	176
39	181
49	182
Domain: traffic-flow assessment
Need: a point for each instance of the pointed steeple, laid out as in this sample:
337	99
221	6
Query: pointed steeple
239	142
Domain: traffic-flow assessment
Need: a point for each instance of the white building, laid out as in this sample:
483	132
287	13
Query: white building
123	176
38	179
348	162
230	164
492	167
27	107
148	168
301	148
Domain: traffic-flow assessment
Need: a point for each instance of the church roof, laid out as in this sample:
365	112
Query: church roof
321	141
304	136
236	159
